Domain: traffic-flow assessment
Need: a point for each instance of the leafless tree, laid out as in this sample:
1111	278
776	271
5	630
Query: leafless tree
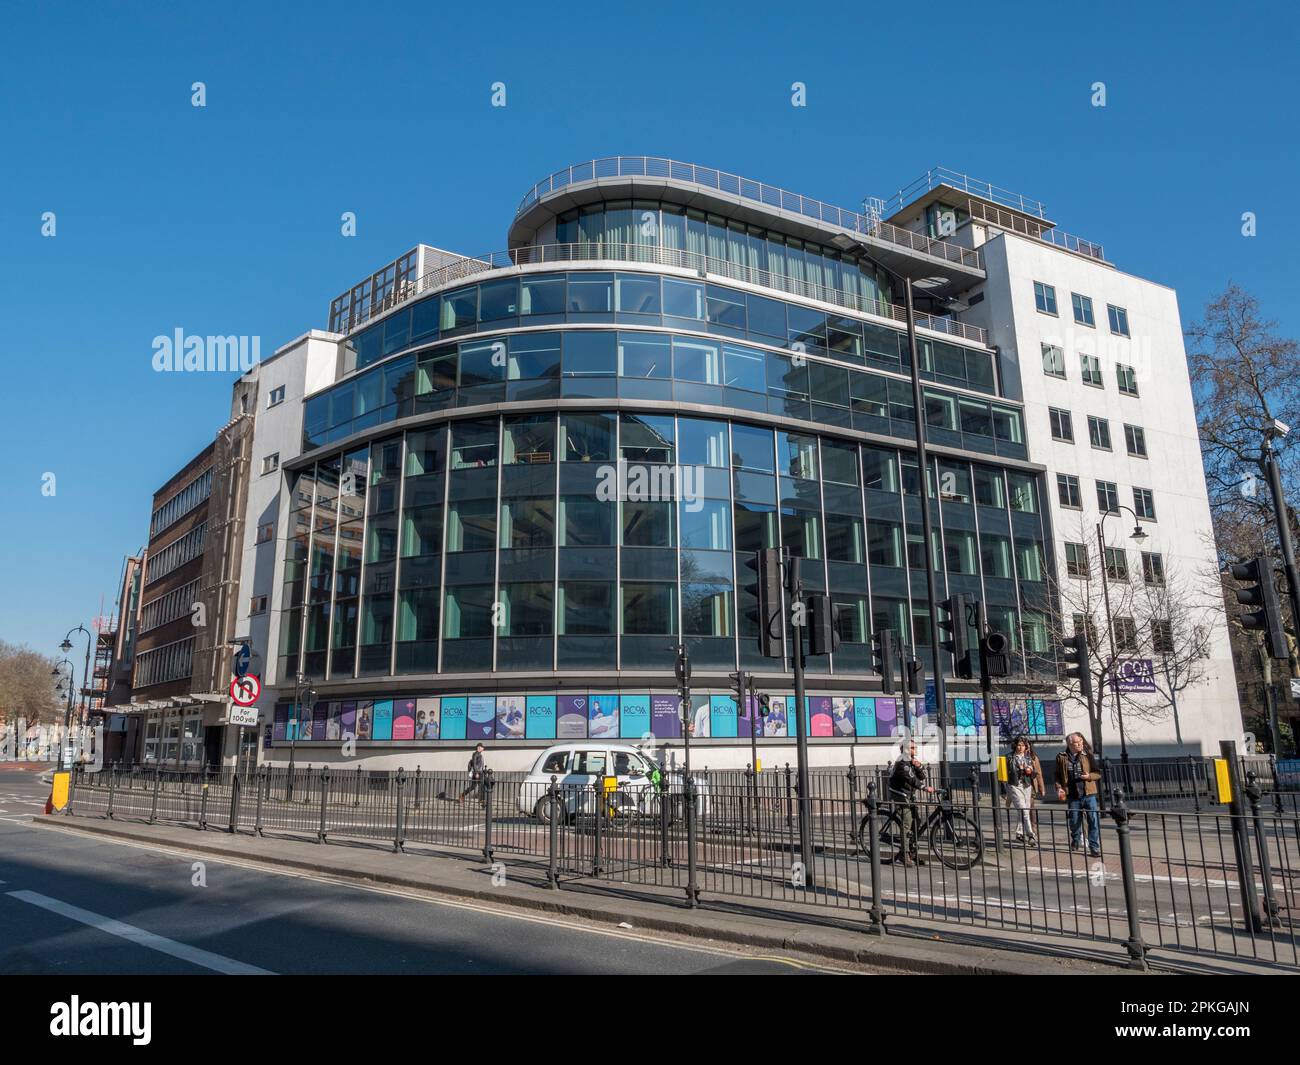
26	686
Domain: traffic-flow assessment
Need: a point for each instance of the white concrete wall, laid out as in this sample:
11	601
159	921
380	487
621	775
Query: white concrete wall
1182	532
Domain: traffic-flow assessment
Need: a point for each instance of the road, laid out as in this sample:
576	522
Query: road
86	906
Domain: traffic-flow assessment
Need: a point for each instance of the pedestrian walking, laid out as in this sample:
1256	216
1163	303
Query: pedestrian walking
906	778
1076	783
477	767
1024	782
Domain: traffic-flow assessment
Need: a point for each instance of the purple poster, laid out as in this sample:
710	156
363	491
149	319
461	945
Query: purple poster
1052	711
1135	675
745	718
665	717
348	720
365	719
886	716
571	722
320	715
482	716
281	722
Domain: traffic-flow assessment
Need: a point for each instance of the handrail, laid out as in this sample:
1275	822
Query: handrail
1004	220
651	254
748	189
941	175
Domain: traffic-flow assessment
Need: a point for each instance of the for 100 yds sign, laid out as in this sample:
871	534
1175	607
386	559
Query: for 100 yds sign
245	690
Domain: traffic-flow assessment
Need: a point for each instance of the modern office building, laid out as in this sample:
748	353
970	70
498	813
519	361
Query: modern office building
490	499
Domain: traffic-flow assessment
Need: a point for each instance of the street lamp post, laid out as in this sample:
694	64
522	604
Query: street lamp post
301	688
65	647
1139	535
69	680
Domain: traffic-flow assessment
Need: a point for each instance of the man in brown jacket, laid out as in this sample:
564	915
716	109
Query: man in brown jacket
1077	775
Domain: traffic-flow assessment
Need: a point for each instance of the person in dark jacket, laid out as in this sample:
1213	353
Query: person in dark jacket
476	768
1077	774
906	778
1024	782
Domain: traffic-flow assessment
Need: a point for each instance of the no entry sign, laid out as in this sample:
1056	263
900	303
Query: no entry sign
245	690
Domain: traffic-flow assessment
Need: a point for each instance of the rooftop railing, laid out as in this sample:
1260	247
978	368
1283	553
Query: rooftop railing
941	175
1013	222
748	189
650	254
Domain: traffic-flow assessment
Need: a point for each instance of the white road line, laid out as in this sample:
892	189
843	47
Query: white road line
139	936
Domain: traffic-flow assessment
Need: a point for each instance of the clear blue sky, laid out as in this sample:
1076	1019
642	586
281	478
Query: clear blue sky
225	220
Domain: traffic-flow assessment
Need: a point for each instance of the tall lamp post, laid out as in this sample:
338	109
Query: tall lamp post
302	689
68	682
65	647
1138	535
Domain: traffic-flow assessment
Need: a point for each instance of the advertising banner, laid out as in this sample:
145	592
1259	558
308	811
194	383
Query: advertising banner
320	716
454	717
427	717
383	719
602	717
820	709
540	723
279	731
347	720
843	721
482	717
777	721
665	717
722	712
634	711
571	724
864	716
366	719
404	719
510	717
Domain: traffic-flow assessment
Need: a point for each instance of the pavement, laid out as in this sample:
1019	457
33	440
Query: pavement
770	927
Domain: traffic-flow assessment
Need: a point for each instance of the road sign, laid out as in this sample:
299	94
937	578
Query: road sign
245	690
244	716
242	658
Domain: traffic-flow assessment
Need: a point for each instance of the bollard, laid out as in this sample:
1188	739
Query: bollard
112	776
553	834
488	786
203	799
1270	910
157	784
399	831
877	912
692	889
598	796
260	787
324	798
234	803
1137	950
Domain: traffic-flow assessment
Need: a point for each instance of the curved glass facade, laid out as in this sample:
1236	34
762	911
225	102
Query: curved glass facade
587	539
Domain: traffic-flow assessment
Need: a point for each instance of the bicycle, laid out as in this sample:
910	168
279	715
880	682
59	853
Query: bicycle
953	837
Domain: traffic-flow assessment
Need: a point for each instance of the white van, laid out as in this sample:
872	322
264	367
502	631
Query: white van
578	769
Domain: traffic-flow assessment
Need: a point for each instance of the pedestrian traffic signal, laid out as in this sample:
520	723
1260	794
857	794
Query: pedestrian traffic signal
884	653
771	634
995	654
764	704
955	642
1077	666
823	625
1268	618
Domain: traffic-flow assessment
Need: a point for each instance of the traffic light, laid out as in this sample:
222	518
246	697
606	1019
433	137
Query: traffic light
743	683
955	642
995	654
771	633
913	674
764	704
1077	665
884	659
823	625
1268	618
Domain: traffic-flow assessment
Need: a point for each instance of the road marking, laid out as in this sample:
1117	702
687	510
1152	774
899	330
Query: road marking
139	936
496	911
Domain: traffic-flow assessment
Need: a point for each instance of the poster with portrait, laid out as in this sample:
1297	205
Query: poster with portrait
540	713
404	719
819	708
455	714
777	721
602	717
482	717
701	723
365	719
571	722
320	716
510	717
427	717
843	722
334	724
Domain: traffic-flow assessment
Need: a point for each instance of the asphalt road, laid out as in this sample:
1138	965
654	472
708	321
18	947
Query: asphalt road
86	906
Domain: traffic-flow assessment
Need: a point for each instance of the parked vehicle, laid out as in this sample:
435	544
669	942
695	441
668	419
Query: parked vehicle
580	769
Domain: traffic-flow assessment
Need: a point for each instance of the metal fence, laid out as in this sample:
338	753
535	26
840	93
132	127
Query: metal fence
1198	881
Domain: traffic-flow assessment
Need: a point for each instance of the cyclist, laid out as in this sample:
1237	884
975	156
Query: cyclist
906	778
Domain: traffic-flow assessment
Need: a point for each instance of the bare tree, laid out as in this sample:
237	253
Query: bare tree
26	686
1167	616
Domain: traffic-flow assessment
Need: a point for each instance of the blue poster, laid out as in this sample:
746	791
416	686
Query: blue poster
541	717
383	719
482	717
864	716
602	717
453	717
635	712
964	709
722	712
1037	718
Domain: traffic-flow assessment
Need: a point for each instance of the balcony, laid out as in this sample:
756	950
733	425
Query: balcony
648	254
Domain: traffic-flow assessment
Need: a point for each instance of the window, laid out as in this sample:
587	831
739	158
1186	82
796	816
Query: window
1053	361
1144	503
1062	425
1087	626
1126	376
1076	560
1067	490
1099	433
1107	497
1126	635
257	605
271	463
1116	564
1162	637
275	397
1045	298
1153	567
1024	494
1082	309
266	532
1136	441
1090	367
1118	319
